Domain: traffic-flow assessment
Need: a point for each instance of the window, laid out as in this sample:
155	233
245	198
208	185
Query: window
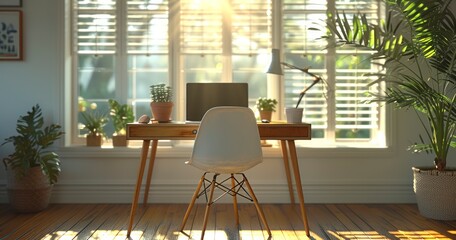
335	109
120	48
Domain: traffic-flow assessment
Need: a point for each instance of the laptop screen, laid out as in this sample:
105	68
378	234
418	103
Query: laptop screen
204	96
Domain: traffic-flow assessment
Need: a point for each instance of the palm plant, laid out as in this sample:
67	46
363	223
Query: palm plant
94	122
416	46
30	146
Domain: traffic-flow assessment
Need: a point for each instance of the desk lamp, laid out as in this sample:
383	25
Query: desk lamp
276	68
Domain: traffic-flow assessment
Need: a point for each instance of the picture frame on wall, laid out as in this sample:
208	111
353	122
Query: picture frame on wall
11	35
10	3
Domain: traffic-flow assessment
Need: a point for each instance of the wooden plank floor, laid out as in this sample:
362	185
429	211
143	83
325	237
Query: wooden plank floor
161	221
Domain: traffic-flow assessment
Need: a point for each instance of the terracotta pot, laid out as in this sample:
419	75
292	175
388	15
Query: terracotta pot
266	115
161	111
119	141
93	140
435	192
30	193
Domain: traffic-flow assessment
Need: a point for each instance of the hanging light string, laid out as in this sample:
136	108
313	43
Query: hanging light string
148	35
250	28
202	30
356	88
96	38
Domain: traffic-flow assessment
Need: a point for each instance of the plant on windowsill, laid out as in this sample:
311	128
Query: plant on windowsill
94	122
418	48
161	102
266	106
120	114
32	170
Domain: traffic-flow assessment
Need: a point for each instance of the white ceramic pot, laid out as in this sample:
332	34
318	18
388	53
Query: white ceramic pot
294	115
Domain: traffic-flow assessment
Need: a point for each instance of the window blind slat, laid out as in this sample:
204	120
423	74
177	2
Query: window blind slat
251	26
147	27
201	27
95	23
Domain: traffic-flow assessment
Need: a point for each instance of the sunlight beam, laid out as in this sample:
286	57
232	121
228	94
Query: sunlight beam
97	234
422	234
208	234
360	235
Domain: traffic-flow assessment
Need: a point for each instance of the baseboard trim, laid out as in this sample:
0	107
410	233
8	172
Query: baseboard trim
266	193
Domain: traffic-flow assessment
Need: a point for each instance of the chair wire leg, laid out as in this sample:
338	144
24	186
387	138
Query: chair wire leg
258	207
190	206
235	206
208	205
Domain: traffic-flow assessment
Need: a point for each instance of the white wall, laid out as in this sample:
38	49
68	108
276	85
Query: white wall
108	175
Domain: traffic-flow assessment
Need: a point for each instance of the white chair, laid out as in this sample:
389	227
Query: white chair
227	142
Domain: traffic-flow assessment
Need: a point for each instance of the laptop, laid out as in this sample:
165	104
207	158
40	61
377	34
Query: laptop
204	96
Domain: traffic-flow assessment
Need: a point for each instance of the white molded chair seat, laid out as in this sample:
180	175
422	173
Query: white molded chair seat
227	142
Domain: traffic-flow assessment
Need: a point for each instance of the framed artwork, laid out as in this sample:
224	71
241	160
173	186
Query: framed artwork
10	3
11	35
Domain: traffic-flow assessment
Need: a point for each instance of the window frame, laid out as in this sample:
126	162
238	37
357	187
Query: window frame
274	85
378	138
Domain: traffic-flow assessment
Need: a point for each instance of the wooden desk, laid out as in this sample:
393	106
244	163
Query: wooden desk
286	133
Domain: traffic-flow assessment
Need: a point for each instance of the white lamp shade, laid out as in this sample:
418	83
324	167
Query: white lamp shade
275	67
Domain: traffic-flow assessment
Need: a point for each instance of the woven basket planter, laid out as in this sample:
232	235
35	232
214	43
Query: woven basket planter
31	193
435	193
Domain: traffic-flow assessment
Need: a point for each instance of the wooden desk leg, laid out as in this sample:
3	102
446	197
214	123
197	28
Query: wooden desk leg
153	153
294	161
283	144
134	204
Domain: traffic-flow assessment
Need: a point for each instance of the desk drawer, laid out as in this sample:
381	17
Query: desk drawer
172	131
162	132
284	131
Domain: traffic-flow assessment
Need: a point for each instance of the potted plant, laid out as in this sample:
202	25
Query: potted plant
94	122
266	106
161	102
32	169
294	115
121	114
418	48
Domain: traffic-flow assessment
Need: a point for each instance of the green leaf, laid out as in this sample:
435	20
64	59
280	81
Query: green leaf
415	47
30	144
